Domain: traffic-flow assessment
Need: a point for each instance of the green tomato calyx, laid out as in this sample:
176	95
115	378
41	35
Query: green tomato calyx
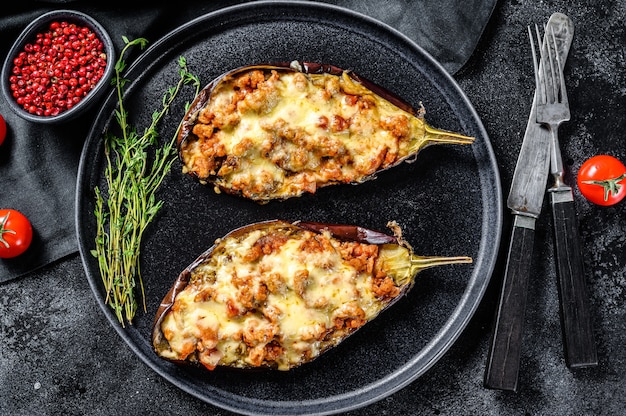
610	185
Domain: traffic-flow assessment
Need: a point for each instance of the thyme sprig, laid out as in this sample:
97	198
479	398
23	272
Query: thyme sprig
136	165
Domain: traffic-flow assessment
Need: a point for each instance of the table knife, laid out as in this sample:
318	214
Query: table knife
577	329
525	200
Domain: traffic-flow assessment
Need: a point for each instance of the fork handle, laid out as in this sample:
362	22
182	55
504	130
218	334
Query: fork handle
578	339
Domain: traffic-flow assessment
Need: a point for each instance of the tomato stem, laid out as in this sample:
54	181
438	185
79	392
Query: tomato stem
5	231
609	185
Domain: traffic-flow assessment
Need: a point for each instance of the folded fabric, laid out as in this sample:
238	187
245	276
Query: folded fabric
38	164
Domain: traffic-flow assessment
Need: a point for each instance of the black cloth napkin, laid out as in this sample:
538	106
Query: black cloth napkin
38	164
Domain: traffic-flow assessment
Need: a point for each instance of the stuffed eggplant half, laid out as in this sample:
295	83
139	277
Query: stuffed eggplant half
270	132
277	295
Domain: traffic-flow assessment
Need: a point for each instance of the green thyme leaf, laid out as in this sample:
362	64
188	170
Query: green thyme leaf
136	165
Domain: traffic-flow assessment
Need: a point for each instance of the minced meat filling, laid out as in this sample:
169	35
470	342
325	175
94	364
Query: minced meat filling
276	299
270	134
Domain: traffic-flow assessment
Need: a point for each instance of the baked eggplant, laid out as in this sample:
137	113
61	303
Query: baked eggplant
269	132
277	295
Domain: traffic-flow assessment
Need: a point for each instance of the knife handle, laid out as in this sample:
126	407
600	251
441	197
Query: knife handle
504	352
578	339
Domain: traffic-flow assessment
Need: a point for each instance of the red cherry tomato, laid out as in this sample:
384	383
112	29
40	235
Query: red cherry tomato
3	129
602	180
16	233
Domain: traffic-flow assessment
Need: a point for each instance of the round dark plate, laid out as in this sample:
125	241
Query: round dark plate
448	202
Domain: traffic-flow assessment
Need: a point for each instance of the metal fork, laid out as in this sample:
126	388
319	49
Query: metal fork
552	104
552	109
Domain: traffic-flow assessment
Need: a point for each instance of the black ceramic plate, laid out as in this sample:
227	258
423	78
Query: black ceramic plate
448	202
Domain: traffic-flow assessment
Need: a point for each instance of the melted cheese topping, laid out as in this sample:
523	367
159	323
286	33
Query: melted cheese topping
275	298
278	134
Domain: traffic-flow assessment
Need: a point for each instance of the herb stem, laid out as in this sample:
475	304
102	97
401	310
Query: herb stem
136	166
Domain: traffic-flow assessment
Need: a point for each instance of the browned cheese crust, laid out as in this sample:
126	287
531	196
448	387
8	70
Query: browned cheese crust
275	297
274	134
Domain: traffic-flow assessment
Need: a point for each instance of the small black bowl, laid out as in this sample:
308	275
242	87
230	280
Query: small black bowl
40	25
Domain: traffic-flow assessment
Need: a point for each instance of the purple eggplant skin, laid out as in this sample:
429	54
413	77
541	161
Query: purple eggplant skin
182	281
296	66
339	231
158	340
429	136
344	232
351	233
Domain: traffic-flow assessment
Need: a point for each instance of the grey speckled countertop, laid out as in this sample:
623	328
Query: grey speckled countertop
60	356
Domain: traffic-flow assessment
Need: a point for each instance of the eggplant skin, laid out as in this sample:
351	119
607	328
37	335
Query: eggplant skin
244	304
277	131
277	295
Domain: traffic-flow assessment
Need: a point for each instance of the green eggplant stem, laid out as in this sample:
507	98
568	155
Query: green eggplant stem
427	135
437	136
425	262
402	265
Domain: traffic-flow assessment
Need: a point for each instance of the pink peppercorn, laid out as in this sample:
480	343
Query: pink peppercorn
58	69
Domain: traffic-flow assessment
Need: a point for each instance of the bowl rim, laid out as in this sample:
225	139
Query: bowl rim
28	34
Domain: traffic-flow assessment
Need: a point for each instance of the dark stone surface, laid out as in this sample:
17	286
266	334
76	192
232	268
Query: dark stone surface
59	355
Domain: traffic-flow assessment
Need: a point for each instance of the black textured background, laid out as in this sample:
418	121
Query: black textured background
59	355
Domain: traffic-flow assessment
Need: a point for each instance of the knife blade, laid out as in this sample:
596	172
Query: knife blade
525	200
577	329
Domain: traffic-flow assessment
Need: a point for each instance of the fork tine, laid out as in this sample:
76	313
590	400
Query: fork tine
561	86
543	63
553	71
538	84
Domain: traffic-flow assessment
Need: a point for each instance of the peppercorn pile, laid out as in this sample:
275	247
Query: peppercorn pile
58	69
